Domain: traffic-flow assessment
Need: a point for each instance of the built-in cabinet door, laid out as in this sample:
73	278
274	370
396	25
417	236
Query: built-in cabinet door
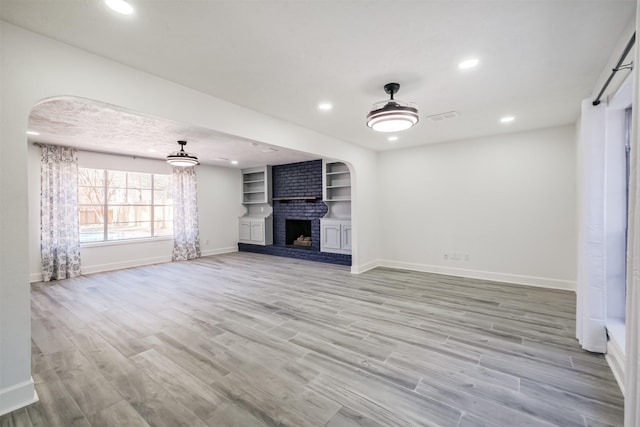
257	231
331	236
335	236
346	237
245	229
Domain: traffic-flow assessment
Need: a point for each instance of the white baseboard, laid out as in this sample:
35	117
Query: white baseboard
358	269
35	277
543	282
219	251
99	268
615	359
17	396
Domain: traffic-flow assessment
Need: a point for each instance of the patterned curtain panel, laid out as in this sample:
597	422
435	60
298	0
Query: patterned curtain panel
59	229
186	243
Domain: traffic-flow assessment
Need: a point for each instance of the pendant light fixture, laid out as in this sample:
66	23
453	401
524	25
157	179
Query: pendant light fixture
392	115
182	158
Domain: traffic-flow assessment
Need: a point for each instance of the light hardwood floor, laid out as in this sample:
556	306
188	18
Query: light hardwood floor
254	340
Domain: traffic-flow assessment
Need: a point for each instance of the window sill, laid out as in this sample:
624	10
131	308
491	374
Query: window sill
125	241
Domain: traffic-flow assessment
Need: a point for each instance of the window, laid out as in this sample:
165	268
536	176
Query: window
116	205
617	167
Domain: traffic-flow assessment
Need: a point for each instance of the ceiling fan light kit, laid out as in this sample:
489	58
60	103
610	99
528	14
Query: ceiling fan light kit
182	158
392	115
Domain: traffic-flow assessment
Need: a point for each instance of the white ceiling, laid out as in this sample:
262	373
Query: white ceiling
538	59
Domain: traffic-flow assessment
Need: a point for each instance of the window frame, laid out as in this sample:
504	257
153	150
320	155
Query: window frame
105	207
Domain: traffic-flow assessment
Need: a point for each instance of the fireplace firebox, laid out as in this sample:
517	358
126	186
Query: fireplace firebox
298	233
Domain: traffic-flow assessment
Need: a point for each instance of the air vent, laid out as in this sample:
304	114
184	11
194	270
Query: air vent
443	116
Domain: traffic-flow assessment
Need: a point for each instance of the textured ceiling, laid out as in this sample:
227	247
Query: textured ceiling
538	59
95	126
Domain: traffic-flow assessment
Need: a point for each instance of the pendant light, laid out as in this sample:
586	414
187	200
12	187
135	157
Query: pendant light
392	115
182	158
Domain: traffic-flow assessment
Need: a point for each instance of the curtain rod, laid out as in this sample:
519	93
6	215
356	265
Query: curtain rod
618	67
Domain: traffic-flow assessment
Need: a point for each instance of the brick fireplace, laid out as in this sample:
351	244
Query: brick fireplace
297	196
296	180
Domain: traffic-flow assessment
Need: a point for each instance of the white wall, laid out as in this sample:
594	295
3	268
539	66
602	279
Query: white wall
16	385
219	205
508	201
35	68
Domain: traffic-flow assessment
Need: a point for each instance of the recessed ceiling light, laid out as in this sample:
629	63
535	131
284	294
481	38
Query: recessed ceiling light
152	150
268	150
33	132
234	162
392	138
468	63
222	159
507	119
120	6
325	106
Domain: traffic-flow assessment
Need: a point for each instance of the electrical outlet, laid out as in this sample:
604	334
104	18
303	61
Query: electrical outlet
456	256
206	242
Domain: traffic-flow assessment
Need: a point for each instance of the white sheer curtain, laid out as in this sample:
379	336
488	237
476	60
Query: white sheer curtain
186	243
632	339
591	292
59	226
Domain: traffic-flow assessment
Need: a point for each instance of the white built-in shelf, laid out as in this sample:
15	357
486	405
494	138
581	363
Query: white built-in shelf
256	185
335	226
255	174
336	189
255	227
